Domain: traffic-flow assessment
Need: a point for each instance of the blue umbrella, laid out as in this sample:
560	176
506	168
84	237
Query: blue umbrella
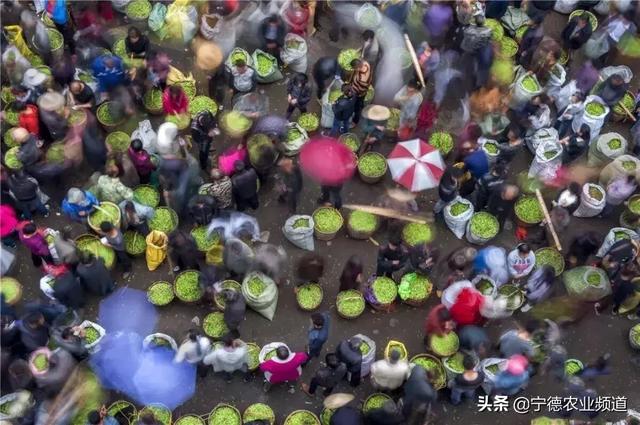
118	359
271	124
128	310
160	380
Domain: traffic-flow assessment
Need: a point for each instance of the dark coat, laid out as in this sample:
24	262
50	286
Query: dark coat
234	311
344	107
328	377
95	278
417	391
352	358
301	93
33	338
293	180
202	208
279	33
579	38
386	257
325	68
68	290
245	184
346	415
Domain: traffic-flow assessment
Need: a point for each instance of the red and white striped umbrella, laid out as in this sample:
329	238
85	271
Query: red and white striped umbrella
416	165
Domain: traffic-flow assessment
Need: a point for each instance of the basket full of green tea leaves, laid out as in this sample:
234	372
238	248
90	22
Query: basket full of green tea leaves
106	211
147	195
259	412
39	361
164	220
595	109
497	30
138	10
453	364
309	296
482	227
513	295
372	167
346	56
181	121
572	367
214	326
160	293
302	417
442	141
528	210
225	414
361	224
627	101
265	64
375	401
530	84
91	335
309	121
189	420
10	289
11	114
11	158
202	103
55	153
204	240
152	101
633	205
393	123
253	354
327	222
255	285
351	141
550	257
417	233
226	285
414	289
350	304
187	286
444	345
160	412
508	47
110	115
92	245
384	292
135	244
435	371
235	124
118	141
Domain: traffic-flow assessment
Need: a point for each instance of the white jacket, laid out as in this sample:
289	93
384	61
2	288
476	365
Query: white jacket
227	359
389	376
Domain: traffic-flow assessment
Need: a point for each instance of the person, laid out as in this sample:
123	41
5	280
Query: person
94	275
624	289
291	178
101	417
474	339
175	101
158	68
422	258
61	365
109	70
600	367
514	378
418	395
318	333
439	321
538	286
65	247
351	277
391	256
619	190
324	71
577	31
82	95
347	415
272	30
389	374
569	198
310	268
234	311
575	144
348	352
331	195
501	202
221	189
488	185
245	187
612	90
29	152
204	128
566	115
388	414
466	384
298	94
448	187
34	331
193	350
530	41
78	204
232	356
409	99
242	78
110	188
518	341
183	251
360	81
26	192
285	367
343	109
113	238
34	240
64	337
135	216
327	376
202	209
621	253
521	261
370	48
8	224
136	44
582	247
141	160
147	418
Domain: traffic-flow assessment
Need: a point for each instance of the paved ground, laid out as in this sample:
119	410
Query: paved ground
586	340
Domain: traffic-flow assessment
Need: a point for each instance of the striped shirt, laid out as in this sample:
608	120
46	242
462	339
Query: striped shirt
361	80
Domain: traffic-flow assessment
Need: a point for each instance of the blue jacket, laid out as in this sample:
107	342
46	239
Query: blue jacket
477	163
73	210
108	78
509	384
59	12
317	337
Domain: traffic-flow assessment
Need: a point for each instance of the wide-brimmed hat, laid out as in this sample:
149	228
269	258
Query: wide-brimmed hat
336	401
208	56
20	134
376	113
51	101
32	77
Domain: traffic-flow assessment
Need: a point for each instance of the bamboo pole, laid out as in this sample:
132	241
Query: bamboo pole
388	212
543	206
414	59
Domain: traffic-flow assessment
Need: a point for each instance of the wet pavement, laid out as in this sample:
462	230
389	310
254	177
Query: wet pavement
586	340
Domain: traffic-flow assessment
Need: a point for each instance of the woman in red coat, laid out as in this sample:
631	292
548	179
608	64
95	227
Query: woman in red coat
466	309
28	119
439	321
284	367
175	101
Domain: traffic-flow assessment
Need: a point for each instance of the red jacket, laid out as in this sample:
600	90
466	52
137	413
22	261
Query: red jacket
433	325
466	309
175	106
277	371
28	119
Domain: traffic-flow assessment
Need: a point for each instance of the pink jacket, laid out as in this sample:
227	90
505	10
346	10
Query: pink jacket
8	220
277	371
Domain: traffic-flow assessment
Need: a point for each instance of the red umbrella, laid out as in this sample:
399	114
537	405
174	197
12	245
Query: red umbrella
416	165
327	161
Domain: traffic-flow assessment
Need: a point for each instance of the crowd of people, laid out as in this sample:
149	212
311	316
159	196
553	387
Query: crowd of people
461	82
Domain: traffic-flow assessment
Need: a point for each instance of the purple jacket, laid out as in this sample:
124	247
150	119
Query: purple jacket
36	244
438	18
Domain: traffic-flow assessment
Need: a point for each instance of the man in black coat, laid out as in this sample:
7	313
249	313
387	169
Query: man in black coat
94	275
577	32
327	377
391	256
488	185
347	415
348	352
418	394
343	109
235	308
202	209
324	71
68	291
245	187
291	182
34	331
388	414
203	129
272	32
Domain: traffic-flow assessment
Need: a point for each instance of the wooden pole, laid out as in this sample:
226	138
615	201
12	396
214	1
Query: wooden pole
388	212
414	59
543	206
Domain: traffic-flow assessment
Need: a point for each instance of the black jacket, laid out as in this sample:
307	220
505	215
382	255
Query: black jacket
201	126
325	68
328	377
352	358
68	290
346	415
24	188
202	208
245	184
234	312
579	38
293	180
418	256
277	38
344	107
447	189
301	93
386	257
417	391
95	278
